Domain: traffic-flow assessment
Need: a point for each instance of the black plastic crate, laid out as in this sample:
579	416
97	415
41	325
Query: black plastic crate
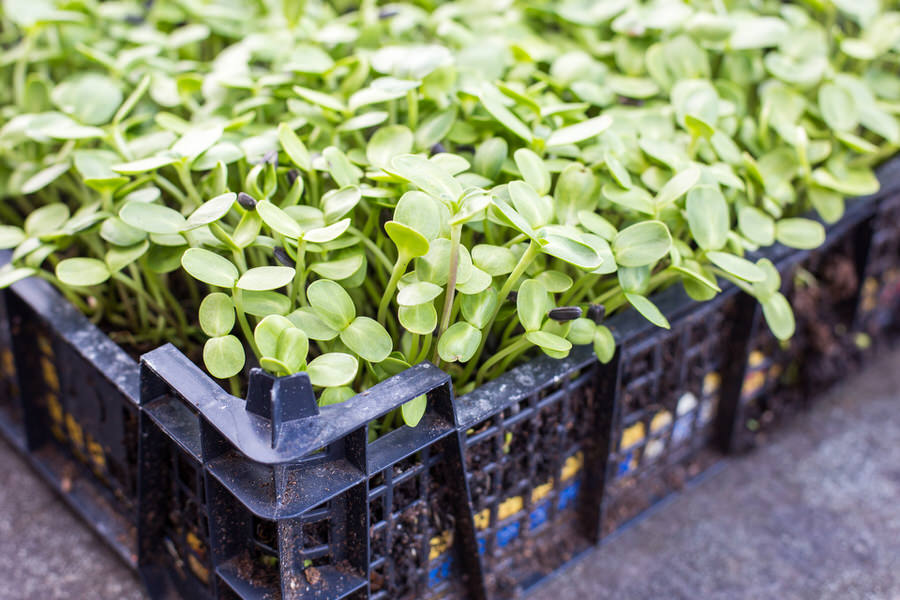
782	378
274	497
670	387
11	418
879	309
77	414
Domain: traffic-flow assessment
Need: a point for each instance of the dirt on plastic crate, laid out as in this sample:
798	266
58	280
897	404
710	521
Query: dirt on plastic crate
783	377
669	393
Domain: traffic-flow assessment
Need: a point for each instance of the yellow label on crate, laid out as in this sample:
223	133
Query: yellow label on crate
96	452
195	543
753	382
44	345
482	519
76	434
8	363
711	383
54	408
756	358
440	544
50	376
632	435
198	568
509	507
541	491
660	420
572	466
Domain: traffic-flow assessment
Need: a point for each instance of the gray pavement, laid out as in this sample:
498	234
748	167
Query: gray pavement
813	515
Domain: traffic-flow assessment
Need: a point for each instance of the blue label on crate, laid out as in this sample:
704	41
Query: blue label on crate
482	545
626	465
507	534
440	572
682	429
539	516
567	495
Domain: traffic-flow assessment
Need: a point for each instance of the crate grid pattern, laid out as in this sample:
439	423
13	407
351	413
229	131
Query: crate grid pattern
527	458
525	472
401	528
666	416
187	522
10	404
880	295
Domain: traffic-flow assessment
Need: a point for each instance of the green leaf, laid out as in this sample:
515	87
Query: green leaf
800	233
707	215
223	356
152	218
268	331
46	219
11	236
757	32
216	315
677	186
331	303
339	268
144	165
211	211
642	244
829	204
119	257
306	319
209	267
604	344
293	147
737	266
556	282
491	100
570	250
322	235
262	304
532	303
579	132
548	341
45	177
490	156
427	176
494	260
82	271
459	343
417	293
413	411
333	369
838	108
779	316
337	203
292	348
410	243
597	225
537	210
261	279
647	309
92	98
756	226
10	275
333	395
277	220
420	319
388	142
421	212
195	142
367	338
478	309
533	169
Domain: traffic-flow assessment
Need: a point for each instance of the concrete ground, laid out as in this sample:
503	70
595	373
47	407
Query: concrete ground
813	515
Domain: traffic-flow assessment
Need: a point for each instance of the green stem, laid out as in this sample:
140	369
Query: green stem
520	344
455	235
412	108
373	248
184	176
242	320
526	259
396	273
298	288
